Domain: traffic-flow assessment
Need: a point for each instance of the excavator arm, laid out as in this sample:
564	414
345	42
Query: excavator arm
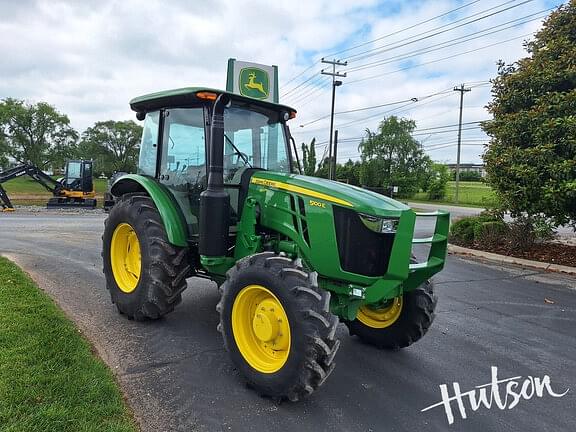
32	171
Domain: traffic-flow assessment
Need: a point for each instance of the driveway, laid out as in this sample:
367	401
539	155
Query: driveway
177	376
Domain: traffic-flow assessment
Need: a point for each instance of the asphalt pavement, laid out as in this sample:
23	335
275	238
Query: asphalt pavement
177	376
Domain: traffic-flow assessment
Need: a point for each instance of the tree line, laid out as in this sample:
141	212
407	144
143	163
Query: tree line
38	133
389	157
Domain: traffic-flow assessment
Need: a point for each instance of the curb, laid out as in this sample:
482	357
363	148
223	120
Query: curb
504	259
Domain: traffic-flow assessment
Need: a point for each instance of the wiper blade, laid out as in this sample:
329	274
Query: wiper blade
238	151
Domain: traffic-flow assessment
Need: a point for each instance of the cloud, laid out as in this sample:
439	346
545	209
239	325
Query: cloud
90	58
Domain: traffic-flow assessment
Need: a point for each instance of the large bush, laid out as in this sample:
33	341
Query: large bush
531	159
464	230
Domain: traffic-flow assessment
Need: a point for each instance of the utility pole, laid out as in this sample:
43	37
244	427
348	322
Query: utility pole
462	90
335	153
335	84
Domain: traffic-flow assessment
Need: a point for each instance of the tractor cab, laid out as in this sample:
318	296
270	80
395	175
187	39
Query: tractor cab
175	146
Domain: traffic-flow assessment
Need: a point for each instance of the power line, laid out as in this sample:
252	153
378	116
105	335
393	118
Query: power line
309	87
418	133
298	86
414	99
439	46
438	60
302	73
452	42
452	145
345	125
405	29
382	37
322	83
310	97
451	125
383	113
398	44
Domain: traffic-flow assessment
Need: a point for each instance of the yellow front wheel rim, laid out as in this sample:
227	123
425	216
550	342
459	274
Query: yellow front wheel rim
261	328
381	317
125	257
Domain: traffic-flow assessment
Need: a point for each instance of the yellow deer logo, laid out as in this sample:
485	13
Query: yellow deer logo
251	84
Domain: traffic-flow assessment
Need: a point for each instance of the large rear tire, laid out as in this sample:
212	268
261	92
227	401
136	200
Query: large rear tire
399	323
145	274
277	326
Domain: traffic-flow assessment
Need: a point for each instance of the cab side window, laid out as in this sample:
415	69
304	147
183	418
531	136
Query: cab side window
149	145
184	150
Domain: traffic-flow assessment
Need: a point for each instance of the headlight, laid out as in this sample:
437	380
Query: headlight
379	224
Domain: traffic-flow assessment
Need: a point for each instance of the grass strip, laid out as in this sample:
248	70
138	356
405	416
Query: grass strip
50	380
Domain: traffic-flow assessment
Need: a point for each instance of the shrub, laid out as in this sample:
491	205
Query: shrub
490	234
544	230
463	231
468	176
525	232
437	190
521	234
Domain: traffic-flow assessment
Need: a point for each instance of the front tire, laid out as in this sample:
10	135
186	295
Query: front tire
399	323
145	274
277	326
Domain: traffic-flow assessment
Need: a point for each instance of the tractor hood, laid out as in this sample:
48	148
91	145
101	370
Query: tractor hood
322	190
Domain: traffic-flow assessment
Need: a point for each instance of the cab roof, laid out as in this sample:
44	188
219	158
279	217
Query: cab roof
188	96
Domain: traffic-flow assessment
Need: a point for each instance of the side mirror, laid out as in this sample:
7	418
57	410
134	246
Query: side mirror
140	115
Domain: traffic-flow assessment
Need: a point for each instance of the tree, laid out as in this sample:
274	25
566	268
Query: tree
349	172
324	168
531	158
438	181
392	157
36	133
113	145
3	153
309	157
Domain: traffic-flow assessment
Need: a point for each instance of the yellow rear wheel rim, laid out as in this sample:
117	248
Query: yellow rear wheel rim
261	329
125	257
382	317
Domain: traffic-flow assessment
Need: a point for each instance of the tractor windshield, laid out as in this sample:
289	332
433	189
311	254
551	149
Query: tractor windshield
254	139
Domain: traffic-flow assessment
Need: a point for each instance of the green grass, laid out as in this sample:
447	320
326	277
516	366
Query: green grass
25	185
50	381
476	194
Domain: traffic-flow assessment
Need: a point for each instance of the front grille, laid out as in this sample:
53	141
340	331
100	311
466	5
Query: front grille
361	250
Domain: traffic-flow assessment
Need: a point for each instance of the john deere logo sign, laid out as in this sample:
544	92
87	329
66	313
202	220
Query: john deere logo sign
254	83
254	80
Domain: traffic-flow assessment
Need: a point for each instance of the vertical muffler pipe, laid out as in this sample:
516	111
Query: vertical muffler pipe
215	201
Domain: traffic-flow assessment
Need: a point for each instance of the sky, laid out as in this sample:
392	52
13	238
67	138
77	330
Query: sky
89	58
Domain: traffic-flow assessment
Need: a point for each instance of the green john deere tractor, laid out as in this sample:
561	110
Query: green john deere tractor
217	196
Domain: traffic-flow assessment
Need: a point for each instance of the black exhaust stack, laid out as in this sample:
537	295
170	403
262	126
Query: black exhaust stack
215	201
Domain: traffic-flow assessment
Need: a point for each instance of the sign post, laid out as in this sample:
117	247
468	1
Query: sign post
253	80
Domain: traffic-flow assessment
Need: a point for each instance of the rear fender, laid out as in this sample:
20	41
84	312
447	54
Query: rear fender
172	217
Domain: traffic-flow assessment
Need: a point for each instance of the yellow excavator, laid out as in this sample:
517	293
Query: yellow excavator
76	189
